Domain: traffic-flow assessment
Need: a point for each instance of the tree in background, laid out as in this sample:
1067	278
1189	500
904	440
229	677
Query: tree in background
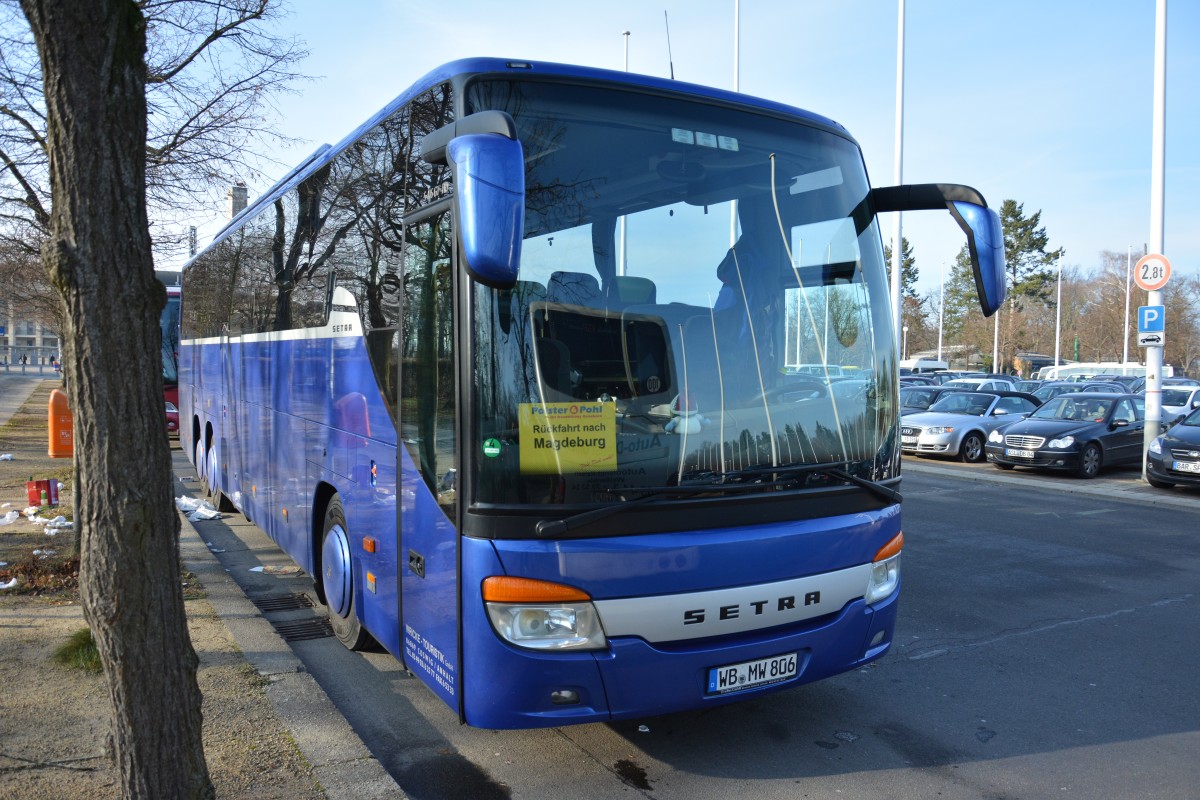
1031	269
908	268
915	311
1093	311
212	70
1181	299
1100	311
1032	277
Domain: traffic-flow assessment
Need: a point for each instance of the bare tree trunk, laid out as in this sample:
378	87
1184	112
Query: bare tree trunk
98	257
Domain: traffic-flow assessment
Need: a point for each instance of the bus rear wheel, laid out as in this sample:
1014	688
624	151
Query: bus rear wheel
212	488
337	580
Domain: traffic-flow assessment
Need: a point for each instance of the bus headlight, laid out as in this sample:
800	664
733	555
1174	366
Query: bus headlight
541	615
885	571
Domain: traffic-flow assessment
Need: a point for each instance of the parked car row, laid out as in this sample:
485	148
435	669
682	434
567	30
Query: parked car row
1080	432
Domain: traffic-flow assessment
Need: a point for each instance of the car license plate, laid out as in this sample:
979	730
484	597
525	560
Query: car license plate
748	674
908	439
1019	453
1186	466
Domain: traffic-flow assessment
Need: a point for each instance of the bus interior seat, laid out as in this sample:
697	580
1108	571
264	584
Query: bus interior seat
574	288
554	366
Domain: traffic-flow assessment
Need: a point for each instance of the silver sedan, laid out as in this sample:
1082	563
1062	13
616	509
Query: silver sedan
959	423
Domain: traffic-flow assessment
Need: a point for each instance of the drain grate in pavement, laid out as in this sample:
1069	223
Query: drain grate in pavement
304	629
287	602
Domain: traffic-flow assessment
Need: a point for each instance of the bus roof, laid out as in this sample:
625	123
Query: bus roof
495	66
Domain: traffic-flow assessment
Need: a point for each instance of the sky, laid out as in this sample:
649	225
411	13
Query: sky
1045	102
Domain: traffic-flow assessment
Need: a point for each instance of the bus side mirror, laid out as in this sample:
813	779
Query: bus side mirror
488	166
489	180
985	234
985	243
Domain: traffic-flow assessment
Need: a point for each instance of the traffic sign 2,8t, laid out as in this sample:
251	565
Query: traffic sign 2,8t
1151	272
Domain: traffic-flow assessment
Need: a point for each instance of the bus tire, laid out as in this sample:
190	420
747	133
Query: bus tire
212	488
198	460
337	579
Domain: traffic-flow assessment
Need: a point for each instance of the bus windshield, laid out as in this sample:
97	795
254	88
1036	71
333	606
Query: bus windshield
684	267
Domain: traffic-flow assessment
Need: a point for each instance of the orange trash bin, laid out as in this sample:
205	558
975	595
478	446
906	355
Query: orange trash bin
62	427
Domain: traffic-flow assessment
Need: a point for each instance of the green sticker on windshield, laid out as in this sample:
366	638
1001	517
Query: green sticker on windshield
491	447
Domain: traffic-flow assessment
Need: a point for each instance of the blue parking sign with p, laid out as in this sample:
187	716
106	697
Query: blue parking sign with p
1151	319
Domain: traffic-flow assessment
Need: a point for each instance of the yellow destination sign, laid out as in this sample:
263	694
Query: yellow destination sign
561	438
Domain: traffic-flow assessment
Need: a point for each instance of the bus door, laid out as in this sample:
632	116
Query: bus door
428	539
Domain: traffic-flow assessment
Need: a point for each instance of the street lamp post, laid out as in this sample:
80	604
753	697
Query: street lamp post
1125	332
897	167
941	306
905	347
622	246
1058	317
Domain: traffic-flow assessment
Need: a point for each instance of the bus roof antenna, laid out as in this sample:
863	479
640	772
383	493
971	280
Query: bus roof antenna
670	60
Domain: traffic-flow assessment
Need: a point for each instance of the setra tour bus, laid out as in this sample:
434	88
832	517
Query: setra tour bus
169	325
492	371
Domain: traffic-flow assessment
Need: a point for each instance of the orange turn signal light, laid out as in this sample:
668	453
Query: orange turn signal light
891	548
504	589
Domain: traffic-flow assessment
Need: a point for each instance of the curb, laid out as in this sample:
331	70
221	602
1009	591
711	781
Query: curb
341	763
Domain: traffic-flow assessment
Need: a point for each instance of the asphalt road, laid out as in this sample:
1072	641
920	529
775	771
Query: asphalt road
1045	649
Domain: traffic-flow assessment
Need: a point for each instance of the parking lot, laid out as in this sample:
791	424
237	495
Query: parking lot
1125	483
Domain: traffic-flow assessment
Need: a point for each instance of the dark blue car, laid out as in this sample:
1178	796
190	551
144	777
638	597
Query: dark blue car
1174	457
1079	432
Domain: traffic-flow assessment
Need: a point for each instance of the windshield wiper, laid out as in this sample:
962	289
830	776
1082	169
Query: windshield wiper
834	469
558	527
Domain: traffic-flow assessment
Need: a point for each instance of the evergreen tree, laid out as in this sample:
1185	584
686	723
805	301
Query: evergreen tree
1031	270
908	268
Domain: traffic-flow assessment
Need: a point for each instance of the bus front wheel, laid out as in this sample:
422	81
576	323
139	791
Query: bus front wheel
337	579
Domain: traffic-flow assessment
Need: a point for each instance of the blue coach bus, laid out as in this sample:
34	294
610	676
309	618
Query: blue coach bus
496	371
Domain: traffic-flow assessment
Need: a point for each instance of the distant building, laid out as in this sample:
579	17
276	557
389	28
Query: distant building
958	356
24	341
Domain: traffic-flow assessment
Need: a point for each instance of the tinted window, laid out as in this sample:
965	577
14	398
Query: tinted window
1013	405
916	398
1176	397
964	403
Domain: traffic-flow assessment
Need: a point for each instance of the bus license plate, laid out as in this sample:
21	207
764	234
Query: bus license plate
747	675
1019	453
1186	466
